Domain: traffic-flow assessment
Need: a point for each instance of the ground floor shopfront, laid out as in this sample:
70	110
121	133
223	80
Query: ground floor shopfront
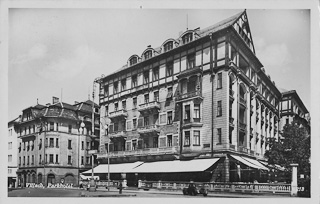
225	168
47	176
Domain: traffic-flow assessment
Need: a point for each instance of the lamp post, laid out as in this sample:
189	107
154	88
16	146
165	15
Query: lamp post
106	129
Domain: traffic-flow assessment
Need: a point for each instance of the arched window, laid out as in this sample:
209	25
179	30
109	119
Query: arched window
69	178
133	61
51	178
168	46
39	178
187	38
147	55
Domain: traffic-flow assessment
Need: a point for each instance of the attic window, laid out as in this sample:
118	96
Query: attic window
133	61
147	54
168	46
187	38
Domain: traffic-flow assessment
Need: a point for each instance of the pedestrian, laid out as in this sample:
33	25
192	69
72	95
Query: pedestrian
120	188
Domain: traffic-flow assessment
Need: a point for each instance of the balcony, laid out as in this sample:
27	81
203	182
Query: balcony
188	96
117	134
231	93
142	152
242	126
189	72
231	119
118	114
187	123
243	101
149	130
149	108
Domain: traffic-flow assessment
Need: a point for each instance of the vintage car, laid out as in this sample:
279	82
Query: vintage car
194	190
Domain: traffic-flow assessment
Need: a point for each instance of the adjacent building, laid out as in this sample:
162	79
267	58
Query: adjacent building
12	152
53	142
202	95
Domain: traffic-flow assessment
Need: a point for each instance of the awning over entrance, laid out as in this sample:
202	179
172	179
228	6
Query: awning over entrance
275	166
250	163
257	163
83	177
196	165
114	168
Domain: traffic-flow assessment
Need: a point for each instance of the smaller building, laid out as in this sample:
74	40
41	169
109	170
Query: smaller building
292	108
12	152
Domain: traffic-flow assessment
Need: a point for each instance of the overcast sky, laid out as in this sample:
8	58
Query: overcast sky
66	49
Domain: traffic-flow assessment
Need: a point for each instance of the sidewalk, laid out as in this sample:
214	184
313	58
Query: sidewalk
105	193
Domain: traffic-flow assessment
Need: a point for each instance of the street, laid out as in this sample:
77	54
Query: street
47	192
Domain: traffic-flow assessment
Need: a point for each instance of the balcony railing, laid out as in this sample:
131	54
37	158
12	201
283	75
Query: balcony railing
118	113
146	107
154	128
242	126
189	95
119	133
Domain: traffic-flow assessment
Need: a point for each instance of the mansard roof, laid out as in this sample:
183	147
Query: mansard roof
293	94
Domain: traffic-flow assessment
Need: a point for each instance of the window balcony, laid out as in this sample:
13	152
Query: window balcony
116	134
149	108
188	96
118	114
242	126
149	129
195	122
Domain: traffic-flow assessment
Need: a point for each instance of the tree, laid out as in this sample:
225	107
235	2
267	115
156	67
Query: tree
294	147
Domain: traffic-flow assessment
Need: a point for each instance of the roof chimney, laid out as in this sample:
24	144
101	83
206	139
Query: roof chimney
55	100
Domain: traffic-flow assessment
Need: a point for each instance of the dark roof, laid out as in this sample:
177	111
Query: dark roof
38	106
65	105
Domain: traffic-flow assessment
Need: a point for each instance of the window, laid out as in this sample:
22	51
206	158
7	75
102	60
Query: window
129	126
51	142
69	159
169	117
106	90
116	106
170	93
134	121
146	77
24	146
133	61
123	84
163	118
124	105
146	120
219	136
57	126
134	81
219	86
134	102
168	46
24	160
147	54
32	159
115	126
146	98
82	145
40	160
196	138
196	113
191	61
51	158
221	50
69	128
115	87
29	130
134	144
155	142
57	142
187	38
169	68
169	140
156	96
219	109
28	160
107	110
287	121
10	158
87	160
51	126
187	138
82	160
123	124
57	159
88	145
10	145
20	161
69	144
155	73
187	113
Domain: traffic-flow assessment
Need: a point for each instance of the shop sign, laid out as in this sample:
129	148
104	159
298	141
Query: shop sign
34	185
60	185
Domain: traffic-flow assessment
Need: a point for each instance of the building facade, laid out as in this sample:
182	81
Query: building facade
292	108
204	94
53	142
12	153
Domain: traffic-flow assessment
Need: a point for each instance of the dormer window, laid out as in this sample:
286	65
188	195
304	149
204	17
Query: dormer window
133	61
168	46
187	38
148	55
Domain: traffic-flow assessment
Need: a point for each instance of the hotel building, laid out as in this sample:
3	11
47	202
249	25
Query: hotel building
202	95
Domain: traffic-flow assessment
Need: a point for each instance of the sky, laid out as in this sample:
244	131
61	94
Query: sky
59	52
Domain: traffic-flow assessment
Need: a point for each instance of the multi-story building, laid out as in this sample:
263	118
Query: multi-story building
54	140
292	108
12	153
202	95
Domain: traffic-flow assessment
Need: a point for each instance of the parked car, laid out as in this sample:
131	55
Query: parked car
194	190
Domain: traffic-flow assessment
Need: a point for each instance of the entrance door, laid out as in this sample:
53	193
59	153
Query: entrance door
51	178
